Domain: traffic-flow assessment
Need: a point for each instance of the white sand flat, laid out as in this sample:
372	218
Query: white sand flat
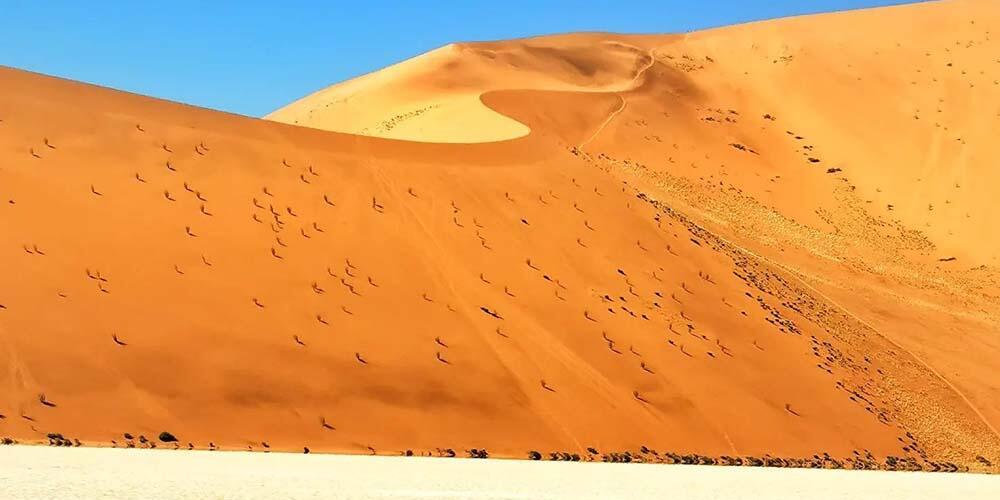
30	473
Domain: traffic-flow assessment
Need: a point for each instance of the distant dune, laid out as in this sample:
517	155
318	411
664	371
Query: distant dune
436	97
767	244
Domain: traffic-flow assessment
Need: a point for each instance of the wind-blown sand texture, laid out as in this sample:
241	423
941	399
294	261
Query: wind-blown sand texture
767	244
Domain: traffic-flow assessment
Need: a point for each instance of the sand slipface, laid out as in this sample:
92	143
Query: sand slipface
760	245
436	97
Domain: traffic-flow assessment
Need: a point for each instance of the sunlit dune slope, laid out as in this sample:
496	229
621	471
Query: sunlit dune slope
436	97
762	241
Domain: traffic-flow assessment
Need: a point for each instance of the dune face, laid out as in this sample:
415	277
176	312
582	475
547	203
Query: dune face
436	97
769	241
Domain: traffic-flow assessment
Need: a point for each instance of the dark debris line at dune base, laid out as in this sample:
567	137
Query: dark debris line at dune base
644	455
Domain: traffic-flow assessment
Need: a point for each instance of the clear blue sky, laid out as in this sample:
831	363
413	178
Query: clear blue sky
252	57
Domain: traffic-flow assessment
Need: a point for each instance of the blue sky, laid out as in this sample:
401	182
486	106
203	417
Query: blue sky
252	57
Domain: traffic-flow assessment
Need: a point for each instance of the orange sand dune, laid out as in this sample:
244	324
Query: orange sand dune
764	240
436	97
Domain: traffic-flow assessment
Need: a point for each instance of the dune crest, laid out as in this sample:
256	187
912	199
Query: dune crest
435	97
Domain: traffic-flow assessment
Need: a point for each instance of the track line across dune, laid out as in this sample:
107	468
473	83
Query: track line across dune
621	107
937	374
624	103
798	277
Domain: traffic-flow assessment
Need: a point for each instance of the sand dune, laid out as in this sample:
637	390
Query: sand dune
767	241
436	97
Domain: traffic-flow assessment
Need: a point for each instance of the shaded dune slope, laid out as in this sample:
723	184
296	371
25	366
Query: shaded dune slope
723	250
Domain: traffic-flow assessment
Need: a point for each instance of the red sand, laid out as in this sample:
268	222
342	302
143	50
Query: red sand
657	263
